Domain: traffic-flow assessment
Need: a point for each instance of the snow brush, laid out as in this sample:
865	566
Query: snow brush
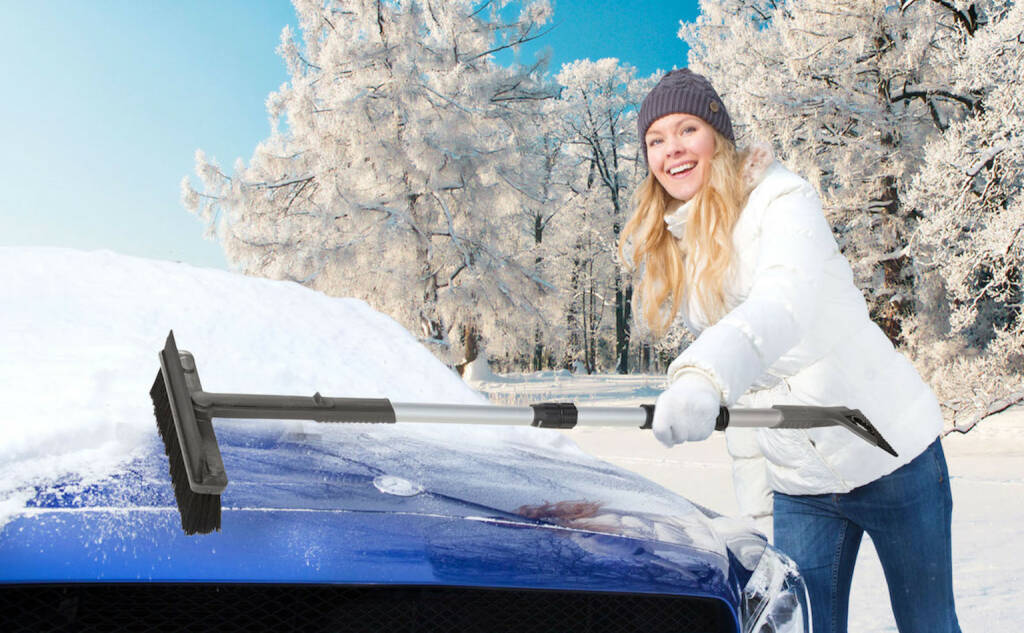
184	416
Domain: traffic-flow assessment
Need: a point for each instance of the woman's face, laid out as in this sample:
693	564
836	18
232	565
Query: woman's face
679	150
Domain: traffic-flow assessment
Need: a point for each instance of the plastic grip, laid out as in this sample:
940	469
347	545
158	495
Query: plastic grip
555	415
721	423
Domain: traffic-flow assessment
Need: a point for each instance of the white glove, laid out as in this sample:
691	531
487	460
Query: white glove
687	410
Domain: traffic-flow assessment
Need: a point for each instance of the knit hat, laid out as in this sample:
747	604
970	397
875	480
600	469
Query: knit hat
687	92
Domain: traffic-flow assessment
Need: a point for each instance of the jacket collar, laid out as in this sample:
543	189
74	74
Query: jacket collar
675	217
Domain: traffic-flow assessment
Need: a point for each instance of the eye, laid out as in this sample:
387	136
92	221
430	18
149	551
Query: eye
689	129
652	142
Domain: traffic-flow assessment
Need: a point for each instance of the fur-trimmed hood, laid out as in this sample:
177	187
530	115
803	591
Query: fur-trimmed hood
755	165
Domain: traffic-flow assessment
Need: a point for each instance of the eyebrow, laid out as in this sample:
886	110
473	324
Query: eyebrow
687	118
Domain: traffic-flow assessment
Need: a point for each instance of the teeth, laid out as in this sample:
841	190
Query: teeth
681	168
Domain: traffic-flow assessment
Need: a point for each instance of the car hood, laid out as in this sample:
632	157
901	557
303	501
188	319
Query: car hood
405	504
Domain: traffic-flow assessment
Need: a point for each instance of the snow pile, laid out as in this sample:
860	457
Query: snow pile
80	332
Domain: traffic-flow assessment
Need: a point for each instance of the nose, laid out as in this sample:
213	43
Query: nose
673	145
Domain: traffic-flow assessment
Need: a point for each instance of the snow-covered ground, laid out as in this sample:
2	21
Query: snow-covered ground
986	473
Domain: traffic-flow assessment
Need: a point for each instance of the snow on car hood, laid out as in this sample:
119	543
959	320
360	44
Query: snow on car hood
80	331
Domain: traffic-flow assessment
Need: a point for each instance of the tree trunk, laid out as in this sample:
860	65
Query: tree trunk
890	314
470	342
538	238
573	315
591	321
470	345
538	350
623	314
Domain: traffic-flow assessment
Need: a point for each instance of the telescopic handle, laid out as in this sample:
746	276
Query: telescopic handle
558	415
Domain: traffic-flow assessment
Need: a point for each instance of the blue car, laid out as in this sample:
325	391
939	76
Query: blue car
356	527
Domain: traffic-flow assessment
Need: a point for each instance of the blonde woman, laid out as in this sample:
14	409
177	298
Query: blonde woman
734	247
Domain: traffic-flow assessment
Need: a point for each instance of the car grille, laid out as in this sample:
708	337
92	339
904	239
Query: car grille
253	607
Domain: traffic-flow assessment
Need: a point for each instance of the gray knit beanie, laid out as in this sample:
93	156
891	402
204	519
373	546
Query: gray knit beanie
687	92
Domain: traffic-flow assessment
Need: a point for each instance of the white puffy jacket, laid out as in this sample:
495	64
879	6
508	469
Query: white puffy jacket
800	334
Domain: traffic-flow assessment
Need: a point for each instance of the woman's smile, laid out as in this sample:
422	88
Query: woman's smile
681	170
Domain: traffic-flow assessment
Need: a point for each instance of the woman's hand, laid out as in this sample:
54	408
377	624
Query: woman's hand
687	410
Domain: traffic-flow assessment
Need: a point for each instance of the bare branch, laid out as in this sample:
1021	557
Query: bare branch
996	406
985	159
924	92
517	42
968	19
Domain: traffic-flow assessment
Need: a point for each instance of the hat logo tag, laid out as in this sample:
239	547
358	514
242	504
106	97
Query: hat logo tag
713	106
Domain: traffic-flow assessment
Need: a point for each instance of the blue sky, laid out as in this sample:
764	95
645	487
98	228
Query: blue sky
105	102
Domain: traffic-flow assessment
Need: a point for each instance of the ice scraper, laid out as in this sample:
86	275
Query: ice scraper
184	415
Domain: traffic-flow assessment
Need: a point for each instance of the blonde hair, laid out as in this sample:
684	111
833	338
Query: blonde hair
701	264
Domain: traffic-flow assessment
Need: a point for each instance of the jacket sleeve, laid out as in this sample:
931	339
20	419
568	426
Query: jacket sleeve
793	242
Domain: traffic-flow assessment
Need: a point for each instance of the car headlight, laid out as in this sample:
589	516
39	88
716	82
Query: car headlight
775	597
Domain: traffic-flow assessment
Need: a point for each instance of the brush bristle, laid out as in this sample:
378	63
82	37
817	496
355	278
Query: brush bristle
200	513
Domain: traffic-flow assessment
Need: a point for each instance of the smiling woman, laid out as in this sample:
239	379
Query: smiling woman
738	248
684	122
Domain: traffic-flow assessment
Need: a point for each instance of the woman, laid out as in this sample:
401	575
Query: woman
736	248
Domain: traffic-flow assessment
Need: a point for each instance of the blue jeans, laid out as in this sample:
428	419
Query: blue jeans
907	514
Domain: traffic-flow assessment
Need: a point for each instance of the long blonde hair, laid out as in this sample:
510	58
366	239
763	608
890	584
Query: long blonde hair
702	263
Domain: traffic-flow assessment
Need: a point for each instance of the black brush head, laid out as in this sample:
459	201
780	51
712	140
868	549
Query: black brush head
200	513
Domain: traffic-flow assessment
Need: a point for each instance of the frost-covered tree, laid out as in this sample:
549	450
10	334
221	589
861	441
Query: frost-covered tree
969	244
906	115
848	92
539	177
381	178
597	117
